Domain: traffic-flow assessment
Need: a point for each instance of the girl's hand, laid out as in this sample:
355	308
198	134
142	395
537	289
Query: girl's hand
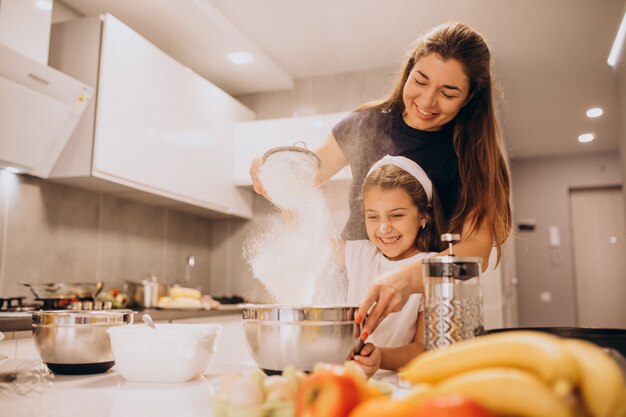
369	359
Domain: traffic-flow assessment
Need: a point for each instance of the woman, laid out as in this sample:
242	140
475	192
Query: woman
441	115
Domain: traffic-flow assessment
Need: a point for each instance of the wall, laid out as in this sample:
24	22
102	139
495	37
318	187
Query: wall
620	72
52	232
541	188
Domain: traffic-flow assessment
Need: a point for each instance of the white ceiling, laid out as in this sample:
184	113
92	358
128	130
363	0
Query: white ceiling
549	55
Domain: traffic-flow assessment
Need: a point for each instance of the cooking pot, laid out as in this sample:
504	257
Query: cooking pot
145	294
76	342
63	290
607	338
279	335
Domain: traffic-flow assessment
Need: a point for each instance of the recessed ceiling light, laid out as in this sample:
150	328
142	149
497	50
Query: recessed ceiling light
587	137
617	42
240	58
13	170
595	112
44	4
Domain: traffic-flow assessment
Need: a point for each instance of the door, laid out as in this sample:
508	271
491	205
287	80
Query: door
597	217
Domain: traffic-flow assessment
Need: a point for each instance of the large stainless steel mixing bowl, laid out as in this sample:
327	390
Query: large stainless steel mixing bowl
279	335
77	342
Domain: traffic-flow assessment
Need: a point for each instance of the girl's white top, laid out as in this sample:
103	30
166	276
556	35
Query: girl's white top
364	263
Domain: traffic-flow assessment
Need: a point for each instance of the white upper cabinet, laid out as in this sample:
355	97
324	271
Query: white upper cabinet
254	138
158	131
25	27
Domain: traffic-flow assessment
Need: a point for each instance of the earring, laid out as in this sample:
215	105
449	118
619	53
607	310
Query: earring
424	226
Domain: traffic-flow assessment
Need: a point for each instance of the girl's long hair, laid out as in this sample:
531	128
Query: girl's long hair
391	177
485	182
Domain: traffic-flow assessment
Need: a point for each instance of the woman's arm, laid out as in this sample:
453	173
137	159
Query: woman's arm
391	292
332	158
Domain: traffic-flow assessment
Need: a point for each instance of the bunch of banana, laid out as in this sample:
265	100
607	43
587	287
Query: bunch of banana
523	373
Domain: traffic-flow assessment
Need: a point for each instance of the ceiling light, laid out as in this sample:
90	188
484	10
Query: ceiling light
44	4
13	170
240	58
587	137
595	112
617	42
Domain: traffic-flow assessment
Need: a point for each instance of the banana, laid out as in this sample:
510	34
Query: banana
504	391
536	352
602	383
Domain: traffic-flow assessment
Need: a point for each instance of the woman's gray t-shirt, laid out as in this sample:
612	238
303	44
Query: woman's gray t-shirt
365	136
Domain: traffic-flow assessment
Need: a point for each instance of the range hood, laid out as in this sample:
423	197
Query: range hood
39	109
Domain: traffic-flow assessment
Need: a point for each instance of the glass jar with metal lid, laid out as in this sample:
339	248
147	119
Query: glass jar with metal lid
453	298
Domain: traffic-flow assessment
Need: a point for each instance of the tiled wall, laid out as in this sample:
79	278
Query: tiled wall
53	232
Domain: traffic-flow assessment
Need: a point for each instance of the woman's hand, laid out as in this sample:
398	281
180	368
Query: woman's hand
254	175
389	294
369	359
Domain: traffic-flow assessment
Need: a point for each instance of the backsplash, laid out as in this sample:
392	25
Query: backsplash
53	232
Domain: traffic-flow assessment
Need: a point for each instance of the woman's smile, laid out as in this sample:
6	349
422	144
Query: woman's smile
423	114
434	92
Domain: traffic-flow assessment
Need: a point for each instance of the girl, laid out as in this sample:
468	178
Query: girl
402	219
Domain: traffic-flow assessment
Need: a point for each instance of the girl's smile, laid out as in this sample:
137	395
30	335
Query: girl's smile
392	222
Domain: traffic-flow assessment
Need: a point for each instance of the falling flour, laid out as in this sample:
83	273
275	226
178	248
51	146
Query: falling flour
292	254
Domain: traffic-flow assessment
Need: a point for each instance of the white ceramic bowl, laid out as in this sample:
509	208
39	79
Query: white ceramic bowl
169	353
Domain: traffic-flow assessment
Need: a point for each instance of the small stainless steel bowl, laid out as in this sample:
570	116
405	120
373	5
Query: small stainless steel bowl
279	335
76	341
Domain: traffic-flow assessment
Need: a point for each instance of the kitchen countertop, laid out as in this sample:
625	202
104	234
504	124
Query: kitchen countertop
19	321
110	395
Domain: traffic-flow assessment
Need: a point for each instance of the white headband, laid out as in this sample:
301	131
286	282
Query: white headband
409	166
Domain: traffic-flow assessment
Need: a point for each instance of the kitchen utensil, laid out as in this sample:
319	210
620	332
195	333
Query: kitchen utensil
76	341
24	377
63	290
147	319
279	335
294	148
168	353
453	301
145	294
189	264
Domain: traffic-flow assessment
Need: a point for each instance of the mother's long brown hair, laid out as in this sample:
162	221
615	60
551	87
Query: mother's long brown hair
485	183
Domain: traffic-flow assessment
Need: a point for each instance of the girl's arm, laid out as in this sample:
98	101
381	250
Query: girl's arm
391	292
396	357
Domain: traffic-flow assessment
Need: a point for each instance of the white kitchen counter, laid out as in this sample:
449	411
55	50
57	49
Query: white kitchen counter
109	395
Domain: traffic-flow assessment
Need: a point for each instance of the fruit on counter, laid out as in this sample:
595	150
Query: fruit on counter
384	406
180	302
602	385
257	395
503	391
455	405
177	292
537	352
497	372
184	297
328	394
